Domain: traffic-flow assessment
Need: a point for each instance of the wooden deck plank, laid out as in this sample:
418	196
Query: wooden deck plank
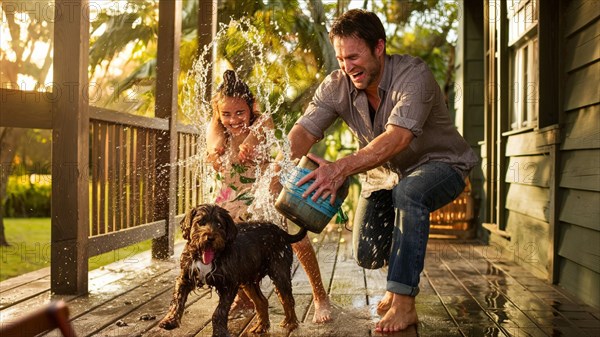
118	276
466	289
25	292
145	318
108	310
22	280
99	279
350	277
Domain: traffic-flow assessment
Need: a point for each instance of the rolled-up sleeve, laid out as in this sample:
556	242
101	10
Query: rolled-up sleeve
322	110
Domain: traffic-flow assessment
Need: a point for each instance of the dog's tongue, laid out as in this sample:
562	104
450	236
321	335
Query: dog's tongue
207	256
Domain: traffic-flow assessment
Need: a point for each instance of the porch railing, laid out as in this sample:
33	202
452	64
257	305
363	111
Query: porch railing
123	178
113	183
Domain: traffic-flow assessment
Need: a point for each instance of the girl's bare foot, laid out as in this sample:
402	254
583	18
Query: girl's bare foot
384	305
401	314
322	311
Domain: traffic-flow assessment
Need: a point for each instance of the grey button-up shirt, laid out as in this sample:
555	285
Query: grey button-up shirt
410	98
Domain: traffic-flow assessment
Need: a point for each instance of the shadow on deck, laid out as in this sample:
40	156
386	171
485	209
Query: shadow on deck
467	289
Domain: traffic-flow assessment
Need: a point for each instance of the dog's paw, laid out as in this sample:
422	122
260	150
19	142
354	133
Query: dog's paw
169	323
260	327
289	324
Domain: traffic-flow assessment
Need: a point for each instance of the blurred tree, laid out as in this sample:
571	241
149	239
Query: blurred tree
295	31
297	35
424	28
29	32
9	138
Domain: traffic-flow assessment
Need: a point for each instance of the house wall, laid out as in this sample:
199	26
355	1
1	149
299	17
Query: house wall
469	87
579	173
529	206
522	184
548	191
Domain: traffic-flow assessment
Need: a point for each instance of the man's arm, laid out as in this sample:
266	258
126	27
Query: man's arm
380	150
300	141
330	176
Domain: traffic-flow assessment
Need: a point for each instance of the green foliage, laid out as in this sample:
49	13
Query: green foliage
28	196
27	35
426	29
294	32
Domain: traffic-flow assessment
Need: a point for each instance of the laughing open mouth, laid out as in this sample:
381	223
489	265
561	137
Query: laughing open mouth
357	76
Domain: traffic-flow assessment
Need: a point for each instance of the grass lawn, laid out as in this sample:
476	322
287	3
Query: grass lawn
29	249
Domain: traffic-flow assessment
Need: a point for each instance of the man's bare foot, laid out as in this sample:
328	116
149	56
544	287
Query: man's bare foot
384	305
401	314
322	311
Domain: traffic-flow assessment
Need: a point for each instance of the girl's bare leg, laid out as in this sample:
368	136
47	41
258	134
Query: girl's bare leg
308	259
241	303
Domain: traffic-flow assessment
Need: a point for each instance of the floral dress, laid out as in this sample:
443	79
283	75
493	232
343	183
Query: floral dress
240	188
235	193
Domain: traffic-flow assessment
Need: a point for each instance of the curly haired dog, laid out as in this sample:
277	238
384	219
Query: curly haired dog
227	256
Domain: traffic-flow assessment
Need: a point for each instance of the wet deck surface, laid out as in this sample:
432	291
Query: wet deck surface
467	289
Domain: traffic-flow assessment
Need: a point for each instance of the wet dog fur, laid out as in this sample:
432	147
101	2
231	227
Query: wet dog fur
227	256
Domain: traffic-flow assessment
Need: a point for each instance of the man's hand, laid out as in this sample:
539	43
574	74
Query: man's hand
328	179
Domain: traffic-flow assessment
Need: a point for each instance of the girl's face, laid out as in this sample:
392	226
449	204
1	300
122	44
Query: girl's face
235	115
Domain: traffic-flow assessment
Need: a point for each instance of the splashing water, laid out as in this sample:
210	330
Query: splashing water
196	106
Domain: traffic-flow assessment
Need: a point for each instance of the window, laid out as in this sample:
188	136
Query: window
523	60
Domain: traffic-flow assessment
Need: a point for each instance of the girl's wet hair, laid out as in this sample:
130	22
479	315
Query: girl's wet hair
233	86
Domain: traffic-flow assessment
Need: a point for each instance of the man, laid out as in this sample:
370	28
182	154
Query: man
411	158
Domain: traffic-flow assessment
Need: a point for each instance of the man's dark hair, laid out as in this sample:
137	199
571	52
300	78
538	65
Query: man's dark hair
359	23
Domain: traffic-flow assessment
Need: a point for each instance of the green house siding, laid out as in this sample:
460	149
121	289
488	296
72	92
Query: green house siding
546	182
579	235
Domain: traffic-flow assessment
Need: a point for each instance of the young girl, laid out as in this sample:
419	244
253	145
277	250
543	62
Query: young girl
234	151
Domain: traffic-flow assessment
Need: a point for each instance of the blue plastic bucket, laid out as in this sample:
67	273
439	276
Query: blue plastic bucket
312	215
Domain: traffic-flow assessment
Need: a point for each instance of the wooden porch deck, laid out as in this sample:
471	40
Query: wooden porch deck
468	289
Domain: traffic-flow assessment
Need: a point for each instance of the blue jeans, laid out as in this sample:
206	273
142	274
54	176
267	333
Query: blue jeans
392	226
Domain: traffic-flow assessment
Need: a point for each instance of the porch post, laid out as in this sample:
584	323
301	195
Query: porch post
70	142
207	29
502	78
550	108
167	71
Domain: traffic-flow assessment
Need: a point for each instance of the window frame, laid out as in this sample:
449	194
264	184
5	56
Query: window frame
522	25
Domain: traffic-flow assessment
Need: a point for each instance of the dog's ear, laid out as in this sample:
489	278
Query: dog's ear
228	224
231	229
186	223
